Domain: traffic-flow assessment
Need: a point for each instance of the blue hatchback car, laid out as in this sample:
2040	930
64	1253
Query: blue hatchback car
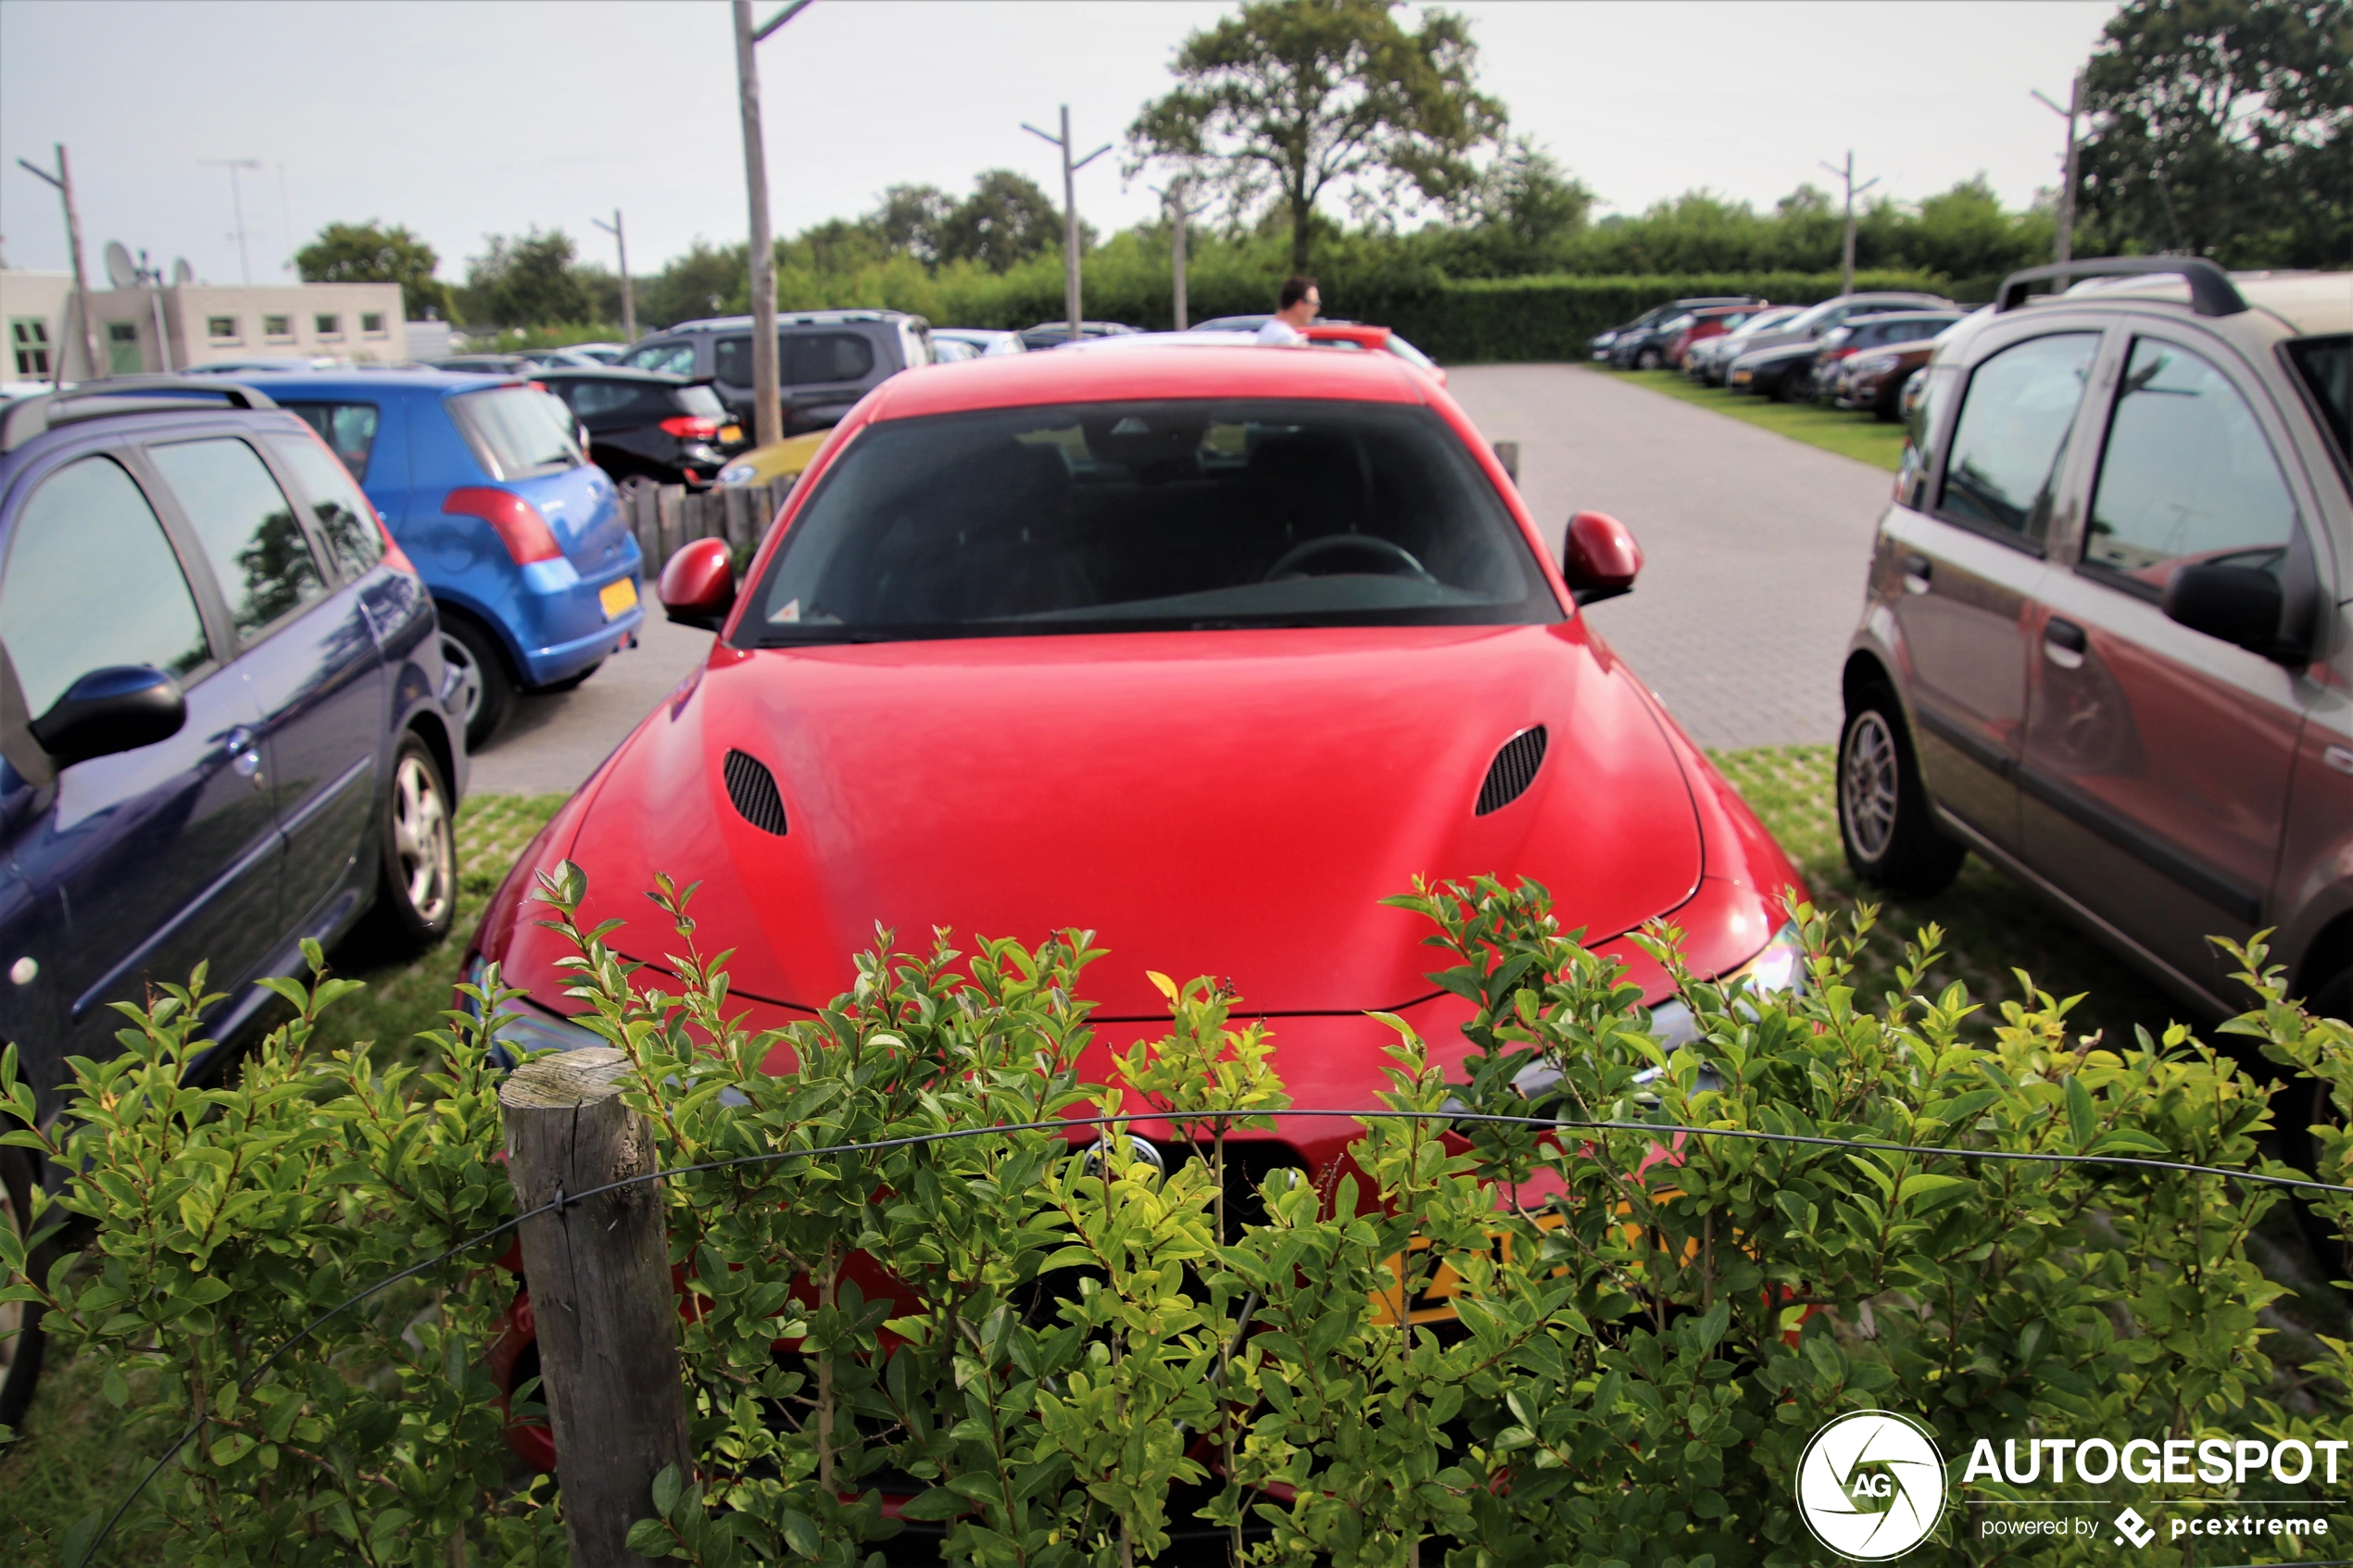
225	726
482	481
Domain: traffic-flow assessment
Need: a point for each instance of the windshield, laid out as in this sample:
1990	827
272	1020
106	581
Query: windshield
1760	323
517	430
1150	517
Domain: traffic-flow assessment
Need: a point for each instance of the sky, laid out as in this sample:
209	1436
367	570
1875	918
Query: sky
465	118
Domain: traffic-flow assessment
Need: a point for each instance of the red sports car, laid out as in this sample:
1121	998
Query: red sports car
1206	649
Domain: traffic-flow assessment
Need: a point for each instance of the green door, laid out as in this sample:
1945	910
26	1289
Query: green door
123	357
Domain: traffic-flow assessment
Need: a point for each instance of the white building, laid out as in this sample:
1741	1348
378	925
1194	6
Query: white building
201	324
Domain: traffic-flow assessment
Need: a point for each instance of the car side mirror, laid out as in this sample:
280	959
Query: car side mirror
120	708
1599	557
698	586
2238	603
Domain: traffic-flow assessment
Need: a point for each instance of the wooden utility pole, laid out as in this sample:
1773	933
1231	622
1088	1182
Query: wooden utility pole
1846	255
1070	214
63	181
1179	215
2065	250
767	417
601	1295
628	297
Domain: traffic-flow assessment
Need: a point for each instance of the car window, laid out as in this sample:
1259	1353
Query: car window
699	401
2015	417
349	428
594	399
2326	366
517	430
90	581
669	358
338	510
1152	516
731	360
2185	476
246	528
830	356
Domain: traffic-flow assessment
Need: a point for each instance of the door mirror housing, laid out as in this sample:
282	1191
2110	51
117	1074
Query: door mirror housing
1599	557
698	585
120	708
2238	603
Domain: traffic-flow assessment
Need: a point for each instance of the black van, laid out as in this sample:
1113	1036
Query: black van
827	360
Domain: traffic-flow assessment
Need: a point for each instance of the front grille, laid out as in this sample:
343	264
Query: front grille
1513	771
753	789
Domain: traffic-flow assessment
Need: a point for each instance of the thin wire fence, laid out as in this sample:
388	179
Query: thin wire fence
563	1200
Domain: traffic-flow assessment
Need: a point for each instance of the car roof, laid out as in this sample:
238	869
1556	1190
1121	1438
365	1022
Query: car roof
1156	369
23	419
2308	303
783	319
424	379
611	372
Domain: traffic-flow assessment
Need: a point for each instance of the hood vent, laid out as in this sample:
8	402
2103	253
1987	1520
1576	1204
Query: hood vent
1508	776
753	789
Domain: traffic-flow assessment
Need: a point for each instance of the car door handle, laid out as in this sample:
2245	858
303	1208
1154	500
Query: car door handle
2063	643
244	754
1917	570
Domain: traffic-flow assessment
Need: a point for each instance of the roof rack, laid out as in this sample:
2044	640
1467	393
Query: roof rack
28	416
2211	291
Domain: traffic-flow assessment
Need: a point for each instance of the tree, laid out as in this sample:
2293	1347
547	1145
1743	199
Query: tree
708	281
2219	126
525	283
1300	98
911	219
370	253
1006	220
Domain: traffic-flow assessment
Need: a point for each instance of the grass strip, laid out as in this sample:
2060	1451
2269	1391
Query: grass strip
1842	431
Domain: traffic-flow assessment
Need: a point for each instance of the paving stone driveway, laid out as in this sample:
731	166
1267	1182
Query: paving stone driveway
1754	546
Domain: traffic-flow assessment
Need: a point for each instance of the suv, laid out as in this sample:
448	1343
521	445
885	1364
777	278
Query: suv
225	726
2108	639
827	360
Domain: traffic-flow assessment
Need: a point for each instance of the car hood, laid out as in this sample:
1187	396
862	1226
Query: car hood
1226	803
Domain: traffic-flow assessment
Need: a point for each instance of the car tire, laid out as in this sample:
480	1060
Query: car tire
1891	841
1649	359
490	689
417	855
21	1339
2305	1102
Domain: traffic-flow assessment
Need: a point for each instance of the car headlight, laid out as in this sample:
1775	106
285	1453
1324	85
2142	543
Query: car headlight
524	1028
1780	967
736	473
1874	365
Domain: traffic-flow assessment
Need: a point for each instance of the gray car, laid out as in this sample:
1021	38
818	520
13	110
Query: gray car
826	360
1816	319
2108	639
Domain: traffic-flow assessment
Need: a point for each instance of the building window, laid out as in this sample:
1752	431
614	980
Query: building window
123	357
29	336
221	329
373	323
277	326
327	325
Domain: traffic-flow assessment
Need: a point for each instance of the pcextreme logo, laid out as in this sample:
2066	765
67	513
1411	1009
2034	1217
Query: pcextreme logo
1871	1485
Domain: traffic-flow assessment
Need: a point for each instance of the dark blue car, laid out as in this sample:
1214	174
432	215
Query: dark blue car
225	725
482	481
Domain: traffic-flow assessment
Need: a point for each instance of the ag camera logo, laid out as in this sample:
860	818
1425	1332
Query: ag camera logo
1871	1485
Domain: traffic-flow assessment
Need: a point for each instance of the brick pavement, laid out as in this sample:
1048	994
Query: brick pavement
1754	546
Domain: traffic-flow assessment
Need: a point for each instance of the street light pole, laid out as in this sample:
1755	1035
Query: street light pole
1070	214
237	204
63	181
1179	213
1847	255
767	411
2067	193
628	299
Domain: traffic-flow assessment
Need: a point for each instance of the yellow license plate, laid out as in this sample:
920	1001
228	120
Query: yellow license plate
618	596
731	433
1740	375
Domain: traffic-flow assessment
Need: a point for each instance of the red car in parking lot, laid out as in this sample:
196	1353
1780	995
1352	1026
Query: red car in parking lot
1206	649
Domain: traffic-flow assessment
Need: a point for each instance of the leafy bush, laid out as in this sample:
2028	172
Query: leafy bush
1079	1352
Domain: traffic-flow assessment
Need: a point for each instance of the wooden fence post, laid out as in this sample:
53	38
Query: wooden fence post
600	1294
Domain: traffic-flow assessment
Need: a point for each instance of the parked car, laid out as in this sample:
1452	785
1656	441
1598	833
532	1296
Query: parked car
484	363
1816	319
1285	558
1053	334
647	429
775	463
1778	374
520	538
2108	625
1835	348
267	365
1602	343
1872	378
602	353
1709	360
950	351
984	342
558	359
1704	326
225	727
828	360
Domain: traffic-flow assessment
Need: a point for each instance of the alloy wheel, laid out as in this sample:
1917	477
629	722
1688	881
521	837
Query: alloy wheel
423	839
1867	785
459	657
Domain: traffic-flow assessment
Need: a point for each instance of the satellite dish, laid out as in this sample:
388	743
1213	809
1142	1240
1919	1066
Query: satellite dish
182	273
120	271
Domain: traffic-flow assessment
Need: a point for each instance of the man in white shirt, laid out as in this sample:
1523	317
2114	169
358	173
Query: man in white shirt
1287	327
